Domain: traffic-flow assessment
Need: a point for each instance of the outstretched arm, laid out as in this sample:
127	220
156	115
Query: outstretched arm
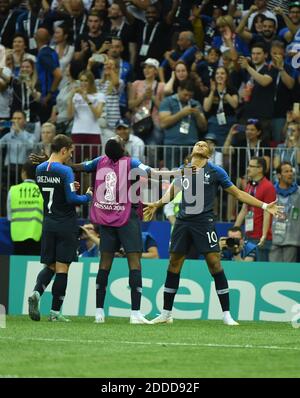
151	208
244	197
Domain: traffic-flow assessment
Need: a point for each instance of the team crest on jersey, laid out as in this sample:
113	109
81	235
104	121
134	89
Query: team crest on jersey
206	178
110	185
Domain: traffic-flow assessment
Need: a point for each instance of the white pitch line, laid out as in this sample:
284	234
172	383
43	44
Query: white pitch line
160	343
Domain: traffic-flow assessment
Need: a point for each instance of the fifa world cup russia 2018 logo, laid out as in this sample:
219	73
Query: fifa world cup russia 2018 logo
110	186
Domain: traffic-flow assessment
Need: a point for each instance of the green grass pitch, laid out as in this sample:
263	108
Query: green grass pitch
186	348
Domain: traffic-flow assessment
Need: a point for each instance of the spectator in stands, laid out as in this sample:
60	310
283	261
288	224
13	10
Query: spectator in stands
258	93
261	8
181	117
64	49
49	72
86	106
19	53
216	156
150	249
25	213
91	41
5	92
235	248
220	105
179	73
8	19
48	132
285	230
206	67
290	150
145	98
110	85
245	142
133	144
125	72
59	114
18	141
226	27
76	17
29	21
292	21
257	221
186	52
26	91
90	235
267	35
121	27
284	78
257	25
152	38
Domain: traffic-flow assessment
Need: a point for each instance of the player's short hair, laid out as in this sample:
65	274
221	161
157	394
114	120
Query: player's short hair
114	149
59	142
29	169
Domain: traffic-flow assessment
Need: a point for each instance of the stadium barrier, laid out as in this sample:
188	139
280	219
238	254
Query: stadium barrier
154	155
258	291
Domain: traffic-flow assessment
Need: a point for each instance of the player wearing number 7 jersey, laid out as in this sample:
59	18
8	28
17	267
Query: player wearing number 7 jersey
195	225
60	229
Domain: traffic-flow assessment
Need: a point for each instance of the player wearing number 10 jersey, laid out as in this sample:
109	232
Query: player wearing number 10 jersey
195	225
60	229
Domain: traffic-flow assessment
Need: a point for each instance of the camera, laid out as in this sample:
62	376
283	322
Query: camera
231	242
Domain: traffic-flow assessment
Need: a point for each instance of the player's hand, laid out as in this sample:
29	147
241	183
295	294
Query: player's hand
89	191
262	241
38	159
149	211
222	243
275	210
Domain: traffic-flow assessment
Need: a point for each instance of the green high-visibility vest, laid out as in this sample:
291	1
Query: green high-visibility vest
177	200
26	212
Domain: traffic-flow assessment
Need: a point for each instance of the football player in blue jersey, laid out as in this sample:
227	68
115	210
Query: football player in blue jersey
60	229
195	225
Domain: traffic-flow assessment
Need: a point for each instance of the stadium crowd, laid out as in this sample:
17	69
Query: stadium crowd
162	74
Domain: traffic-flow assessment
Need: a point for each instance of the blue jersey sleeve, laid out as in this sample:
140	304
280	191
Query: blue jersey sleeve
223	177
71	195
91	165
136	163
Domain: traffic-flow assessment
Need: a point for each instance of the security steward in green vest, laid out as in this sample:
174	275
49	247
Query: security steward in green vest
25	213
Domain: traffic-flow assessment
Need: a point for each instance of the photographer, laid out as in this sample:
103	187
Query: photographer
235	248
90	235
